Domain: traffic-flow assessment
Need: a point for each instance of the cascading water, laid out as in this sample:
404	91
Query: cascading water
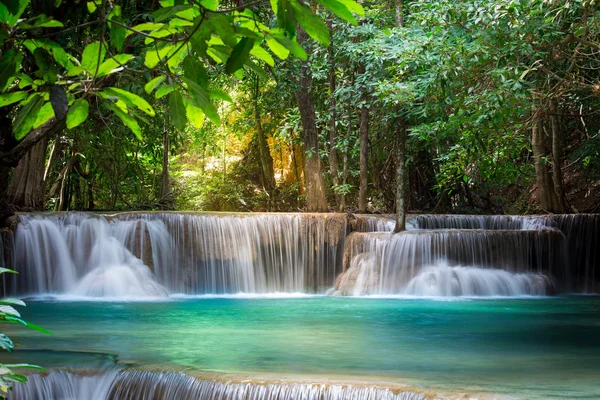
144	385
141	255
497	263
443	280
150	254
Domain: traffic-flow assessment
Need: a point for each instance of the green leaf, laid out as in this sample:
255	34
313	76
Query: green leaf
285	17
153	84
117	34
91	6
128	120
9	65
262	54
26	116
133	100
25	366
353	6
212	5
114	64
202	99
9	310
220	95
24	80
278	49
193	69
5	342
11	5
11	18
222	27
10	98
12	301
239	55
166	12
78	113
92	56
44	115
7	271
194	113
339	9
292	46
177	111
163	91
312	24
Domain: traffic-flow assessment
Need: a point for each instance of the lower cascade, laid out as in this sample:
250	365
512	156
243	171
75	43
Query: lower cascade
443	280
145	385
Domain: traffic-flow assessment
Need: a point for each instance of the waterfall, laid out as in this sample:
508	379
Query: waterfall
443	280
145	385
150	254
382	263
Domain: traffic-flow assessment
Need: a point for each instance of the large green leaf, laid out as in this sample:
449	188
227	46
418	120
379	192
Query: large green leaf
285	17
202	99
128	120
340	9
153	84
9	65
78	113
11	301
5	342
9	310
11	18
239	55
114	64
26	116
292	46
312	24
222	27
43	116
10	98
7	271
258	52
194	113
193	69
277	48
133	100
92	56
177	111
164	90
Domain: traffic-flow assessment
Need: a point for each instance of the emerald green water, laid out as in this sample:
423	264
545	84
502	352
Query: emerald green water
527	348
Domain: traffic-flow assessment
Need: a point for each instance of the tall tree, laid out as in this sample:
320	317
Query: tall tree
313	173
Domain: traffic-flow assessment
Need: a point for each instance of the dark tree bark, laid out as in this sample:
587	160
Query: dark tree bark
333	161
402	175
546	195
401	170
364	150
313	175
557	175
266	160
26	189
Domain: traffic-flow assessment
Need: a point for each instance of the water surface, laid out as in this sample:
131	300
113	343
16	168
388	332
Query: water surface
527	347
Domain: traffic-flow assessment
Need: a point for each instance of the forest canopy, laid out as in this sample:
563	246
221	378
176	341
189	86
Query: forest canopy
286	105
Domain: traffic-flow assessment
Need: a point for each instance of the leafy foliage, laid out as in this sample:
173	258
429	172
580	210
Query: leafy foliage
9	315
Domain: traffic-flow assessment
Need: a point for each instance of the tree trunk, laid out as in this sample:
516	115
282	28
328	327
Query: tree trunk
333	161
546	196
364	154
315	187
401	176
557	176
26	189
165	184
266	160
